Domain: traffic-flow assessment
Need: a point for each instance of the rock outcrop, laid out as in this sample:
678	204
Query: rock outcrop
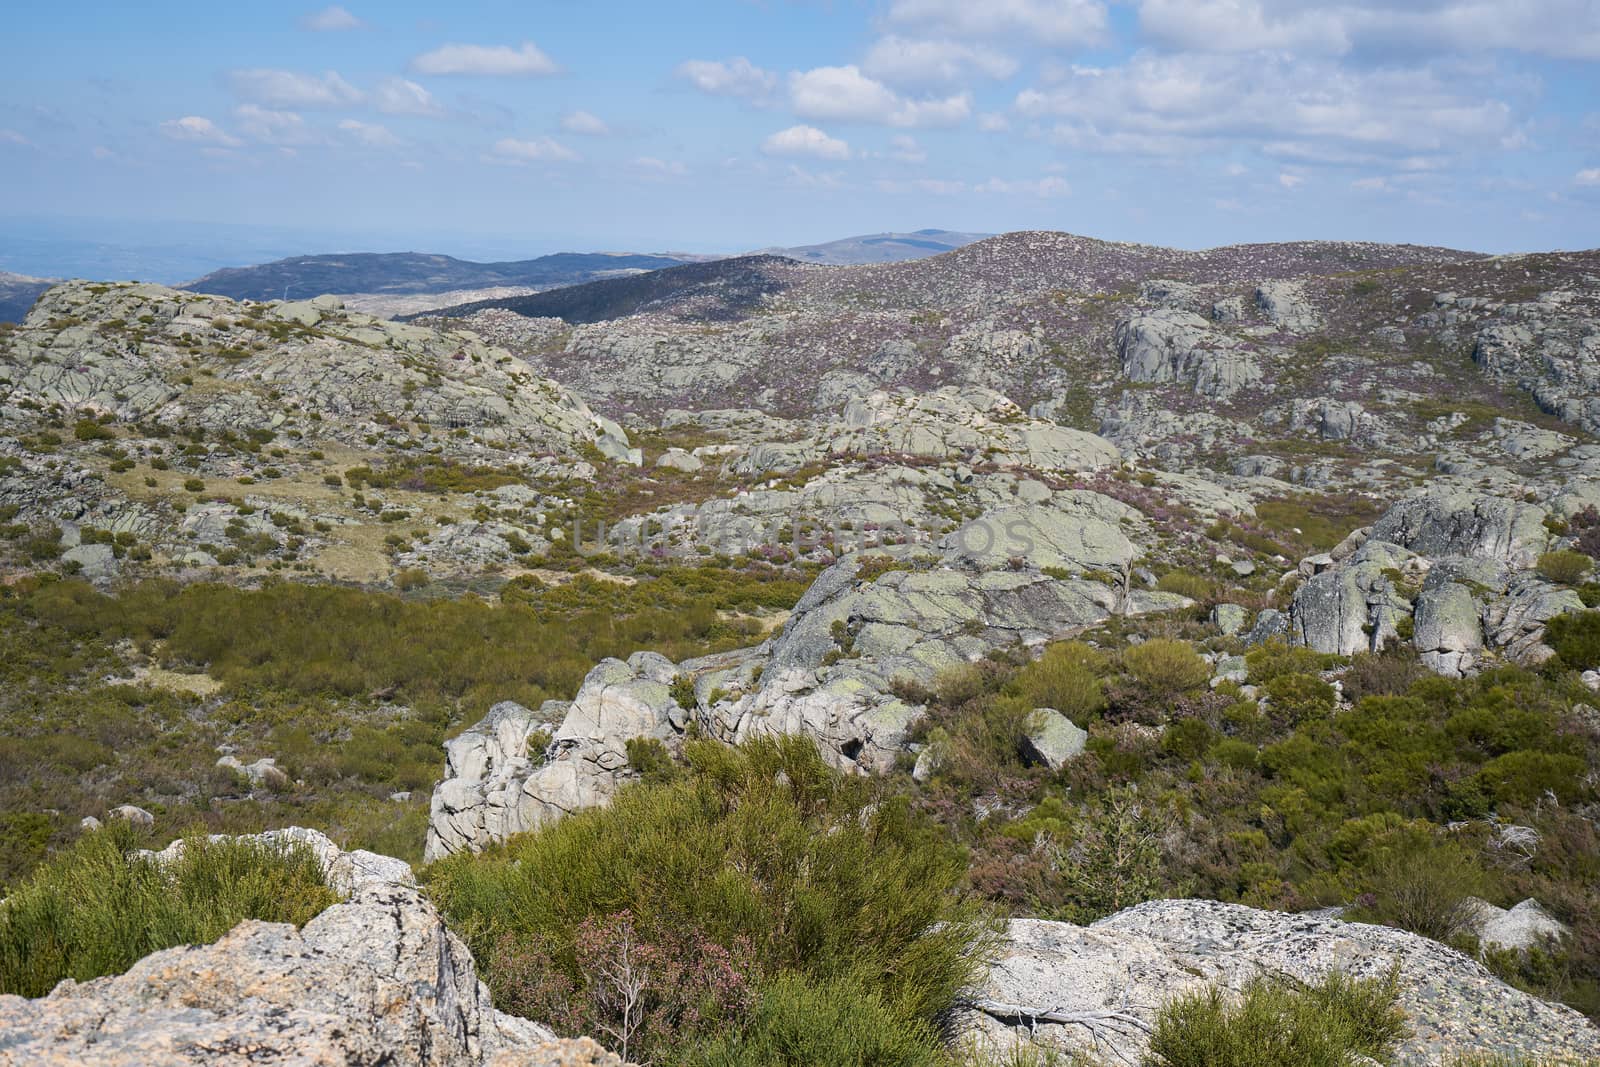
376	980
868	626
1452	563
1179	346
1098	988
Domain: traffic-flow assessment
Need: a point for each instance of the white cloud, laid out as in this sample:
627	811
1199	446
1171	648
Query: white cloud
539	150
993	122
1291	181
805	141
800	178
1061	23
923	63
497	60
399	96
905	148
273	127
1591	176
931	186
734	77
100	151
1312	111
291	89
331	19
1567	29
199	130
845	94
650	166
370	134
13	137
1043	188
582	122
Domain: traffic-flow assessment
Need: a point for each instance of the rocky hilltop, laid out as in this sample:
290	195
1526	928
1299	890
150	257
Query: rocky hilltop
1133	576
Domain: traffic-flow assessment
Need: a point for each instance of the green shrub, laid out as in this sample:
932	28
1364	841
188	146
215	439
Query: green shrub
1422	888
797	1023
194	485
96	909
1299	697
91	430
1185	583
1166	667
1067	678
1576	638
1327	1024
760	848
1565	566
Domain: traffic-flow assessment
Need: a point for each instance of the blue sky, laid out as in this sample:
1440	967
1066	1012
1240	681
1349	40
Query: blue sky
720	125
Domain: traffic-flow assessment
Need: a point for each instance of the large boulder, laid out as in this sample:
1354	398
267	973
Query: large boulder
375	980
1458	521
1098	988
1180	347
496	787
1354	607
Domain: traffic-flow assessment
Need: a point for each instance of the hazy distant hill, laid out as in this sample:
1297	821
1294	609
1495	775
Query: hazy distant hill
415	272
721	289
878	247
17	294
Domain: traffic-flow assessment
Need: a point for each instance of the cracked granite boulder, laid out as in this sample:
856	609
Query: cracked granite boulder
1168	345
374	980
1454	562
1111	978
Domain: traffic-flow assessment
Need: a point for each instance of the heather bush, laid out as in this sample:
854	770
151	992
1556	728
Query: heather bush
1326	1024
1067	677
1565	566
760	850
1166	667
800	1023
1576	639
97	908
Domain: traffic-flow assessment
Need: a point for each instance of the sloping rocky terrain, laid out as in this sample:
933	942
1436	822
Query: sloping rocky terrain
1138	574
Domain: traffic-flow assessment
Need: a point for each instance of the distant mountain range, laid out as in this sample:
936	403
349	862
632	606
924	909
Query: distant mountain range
414	272
727	289
396	283
409	273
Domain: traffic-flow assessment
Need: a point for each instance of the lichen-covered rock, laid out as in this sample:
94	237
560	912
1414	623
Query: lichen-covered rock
1179	346
376	980
1457	521
1114	976
1517	928
495	787
1353	607
1053	739
1286	305
1447	630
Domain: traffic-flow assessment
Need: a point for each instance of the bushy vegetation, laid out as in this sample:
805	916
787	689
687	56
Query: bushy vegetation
1389	800
766	878
97	908
352	691
1565	566
1326	1024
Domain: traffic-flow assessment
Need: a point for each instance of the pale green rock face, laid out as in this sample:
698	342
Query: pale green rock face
1053	739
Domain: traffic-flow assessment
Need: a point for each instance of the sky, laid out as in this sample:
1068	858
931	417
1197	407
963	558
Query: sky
507	129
